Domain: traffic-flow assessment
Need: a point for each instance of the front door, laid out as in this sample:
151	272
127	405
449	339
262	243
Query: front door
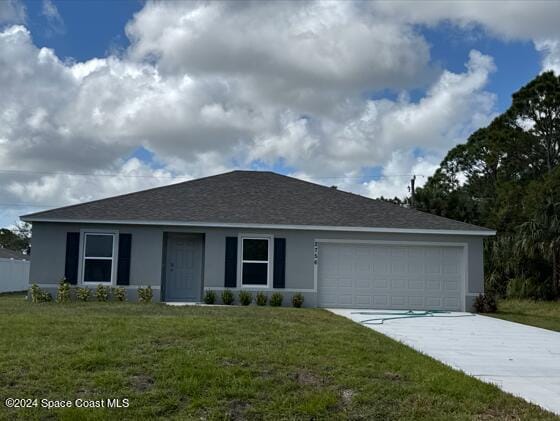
183	281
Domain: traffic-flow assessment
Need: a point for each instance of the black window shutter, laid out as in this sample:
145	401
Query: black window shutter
279	277
123	269
230	280
72	257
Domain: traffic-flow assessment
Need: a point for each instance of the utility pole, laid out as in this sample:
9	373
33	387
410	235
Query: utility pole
412	181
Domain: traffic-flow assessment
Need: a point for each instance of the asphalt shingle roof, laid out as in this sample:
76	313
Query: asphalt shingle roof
253	197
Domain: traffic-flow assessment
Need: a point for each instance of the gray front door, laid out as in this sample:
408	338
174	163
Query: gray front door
183	280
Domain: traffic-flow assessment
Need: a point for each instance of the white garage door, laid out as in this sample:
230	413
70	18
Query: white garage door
390	276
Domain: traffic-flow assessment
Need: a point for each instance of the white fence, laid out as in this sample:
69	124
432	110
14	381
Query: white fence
14	275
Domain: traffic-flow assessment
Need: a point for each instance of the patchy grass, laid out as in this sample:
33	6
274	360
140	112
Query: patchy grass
227	363
545	314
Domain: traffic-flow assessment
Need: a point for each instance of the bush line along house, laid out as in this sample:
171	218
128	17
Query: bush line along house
262	231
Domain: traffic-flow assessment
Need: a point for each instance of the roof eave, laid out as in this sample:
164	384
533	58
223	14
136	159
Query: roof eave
479	233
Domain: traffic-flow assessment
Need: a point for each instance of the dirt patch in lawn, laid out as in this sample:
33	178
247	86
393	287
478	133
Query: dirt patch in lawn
141	382
347	395
237	410
394	377
307	378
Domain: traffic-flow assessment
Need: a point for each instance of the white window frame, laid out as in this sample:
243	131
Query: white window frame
268	262
113	257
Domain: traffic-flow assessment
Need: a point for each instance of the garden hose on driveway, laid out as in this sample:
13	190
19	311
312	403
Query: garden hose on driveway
409	314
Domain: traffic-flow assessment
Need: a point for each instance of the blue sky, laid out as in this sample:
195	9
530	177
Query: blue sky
97	29
92	28
361	95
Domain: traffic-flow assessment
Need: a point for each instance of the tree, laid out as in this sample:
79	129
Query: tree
17	238
507	177
540	236
535	109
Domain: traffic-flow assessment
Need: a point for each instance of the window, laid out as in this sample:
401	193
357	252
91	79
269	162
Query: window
98	258
255	259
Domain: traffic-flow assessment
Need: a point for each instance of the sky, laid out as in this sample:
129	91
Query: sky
99	98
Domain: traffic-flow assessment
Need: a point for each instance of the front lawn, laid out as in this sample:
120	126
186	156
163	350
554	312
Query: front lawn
227	363
545	314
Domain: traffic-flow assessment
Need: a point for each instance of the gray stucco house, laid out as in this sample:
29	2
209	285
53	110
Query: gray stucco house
262	231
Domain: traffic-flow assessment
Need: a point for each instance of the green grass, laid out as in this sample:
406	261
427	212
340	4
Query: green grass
227	363
545	314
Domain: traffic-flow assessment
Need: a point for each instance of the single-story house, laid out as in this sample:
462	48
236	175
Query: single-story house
262	231
14	270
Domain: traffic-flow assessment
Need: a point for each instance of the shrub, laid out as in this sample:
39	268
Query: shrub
523	287
38	295
209	297
102	293
261	298
245	298
63	292
276	299
145	295
45	297
485	303
119	293
83	294
298	299
35	292
227	297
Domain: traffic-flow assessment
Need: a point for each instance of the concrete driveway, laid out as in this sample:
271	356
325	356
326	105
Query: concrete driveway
519	359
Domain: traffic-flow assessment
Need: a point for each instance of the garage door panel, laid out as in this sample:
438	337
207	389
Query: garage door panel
451	285
390	277
346	283
364	284
398	301
380	300
416	302
380	284
398	284
416	284
364	299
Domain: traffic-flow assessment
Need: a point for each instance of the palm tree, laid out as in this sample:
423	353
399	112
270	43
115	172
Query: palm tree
540	236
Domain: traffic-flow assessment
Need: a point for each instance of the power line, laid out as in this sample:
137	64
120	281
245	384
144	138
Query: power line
52	205
30	205
85	174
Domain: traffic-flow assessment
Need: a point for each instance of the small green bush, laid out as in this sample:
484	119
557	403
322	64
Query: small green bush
298	299
45	297
35	293
261	298
102	293
38	295
63	292
145	295
227	297
276	299
83	294
119	293
245	298
485	303
527	287
209	297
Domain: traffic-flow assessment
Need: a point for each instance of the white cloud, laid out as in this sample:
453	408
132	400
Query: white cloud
288	46
54	20
551	50
12	11
535	20
207	87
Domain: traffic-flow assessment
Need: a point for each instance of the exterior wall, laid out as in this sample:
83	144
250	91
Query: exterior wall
49	245
14	275
49	242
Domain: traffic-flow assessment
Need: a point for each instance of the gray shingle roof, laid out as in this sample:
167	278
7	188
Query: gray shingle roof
253	197
12	254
